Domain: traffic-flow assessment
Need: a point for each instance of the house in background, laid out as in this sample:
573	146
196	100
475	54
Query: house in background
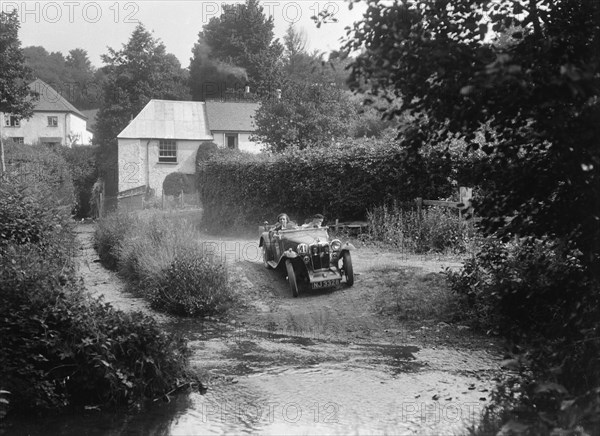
55	121
232	124
164	138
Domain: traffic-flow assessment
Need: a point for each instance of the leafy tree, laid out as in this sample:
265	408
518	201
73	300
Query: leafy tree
534	93
307	114
241	37
140	71
14	92
538	96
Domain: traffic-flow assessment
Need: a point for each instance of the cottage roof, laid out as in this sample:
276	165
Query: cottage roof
168	119
231	116
51	101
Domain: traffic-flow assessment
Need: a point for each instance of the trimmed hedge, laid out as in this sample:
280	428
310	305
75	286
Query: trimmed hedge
242	190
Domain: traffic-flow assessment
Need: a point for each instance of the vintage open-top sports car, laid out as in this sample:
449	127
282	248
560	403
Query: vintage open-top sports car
307	254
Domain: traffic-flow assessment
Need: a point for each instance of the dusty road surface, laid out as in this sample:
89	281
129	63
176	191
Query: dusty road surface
339	361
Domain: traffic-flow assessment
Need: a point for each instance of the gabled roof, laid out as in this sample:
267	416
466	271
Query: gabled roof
168	119
231	116
51	101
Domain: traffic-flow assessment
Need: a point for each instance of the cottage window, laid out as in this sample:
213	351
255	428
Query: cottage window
52	121
18	140
231	140
167	151
11	121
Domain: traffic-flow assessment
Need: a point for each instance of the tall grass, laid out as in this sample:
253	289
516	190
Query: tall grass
164	260
434	229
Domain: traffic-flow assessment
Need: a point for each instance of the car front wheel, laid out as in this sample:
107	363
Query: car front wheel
292	278
347	267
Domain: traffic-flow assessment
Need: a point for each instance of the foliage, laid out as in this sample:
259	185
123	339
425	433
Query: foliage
205	150
534	93
236	48
61	348
342	182
308	114
435	230
192	285
175	183
40	168
161	261
84	173
538	96
14	92
529	290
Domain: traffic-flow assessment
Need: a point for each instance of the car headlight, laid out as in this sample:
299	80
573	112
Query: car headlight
302	248
336	244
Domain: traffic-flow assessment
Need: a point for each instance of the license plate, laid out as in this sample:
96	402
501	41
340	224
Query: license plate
325	284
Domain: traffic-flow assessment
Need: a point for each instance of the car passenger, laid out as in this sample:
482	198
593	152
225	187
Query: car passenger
284	223
315	221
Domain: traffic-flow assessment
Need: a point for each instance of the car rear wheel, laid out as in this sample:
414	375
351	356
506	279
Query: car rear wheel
292	278
265	255
347	267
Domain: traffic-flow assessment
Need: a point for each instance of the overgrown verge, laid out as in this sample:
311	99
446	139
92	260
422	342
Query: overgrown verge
434	229
538	293
59	348
342	181
163	260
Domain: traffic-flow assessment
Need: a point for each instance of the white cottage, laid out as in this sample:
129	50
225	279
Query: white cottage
164	138
55	121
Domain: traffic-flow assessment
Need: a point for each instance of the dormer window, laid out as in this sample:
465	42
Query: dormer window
53	121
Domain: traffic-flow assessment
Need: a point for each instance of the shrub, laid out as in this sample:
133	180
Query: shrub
59	347
538	293
176	183
192	285
41	169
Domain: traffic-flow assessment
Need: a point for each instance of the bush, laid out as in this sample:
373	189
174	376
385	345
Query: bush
162	262
538	293
526	284
192	285
42	169
59	347
176	183
342	181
